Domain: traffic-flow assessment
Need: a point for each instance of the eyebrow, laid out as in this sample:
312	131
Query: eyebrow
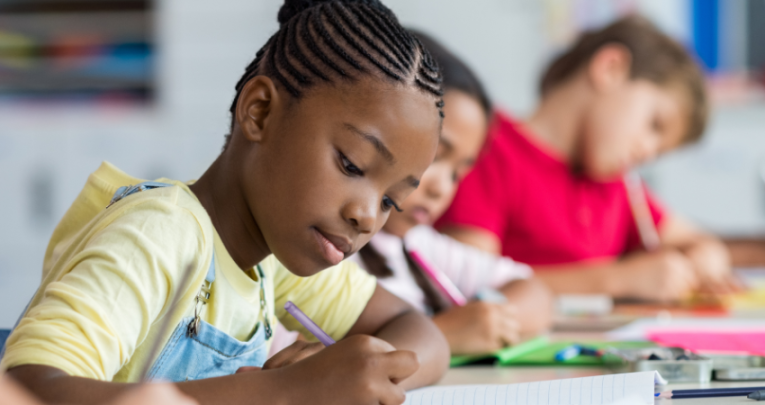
376	142
412	181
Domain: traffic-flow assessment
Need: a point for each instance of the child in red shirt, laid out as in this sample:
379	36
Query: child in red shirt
549	192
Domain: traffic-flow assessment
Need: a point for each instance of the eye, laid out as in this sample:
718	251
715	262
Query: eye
349	167
387	204
657	126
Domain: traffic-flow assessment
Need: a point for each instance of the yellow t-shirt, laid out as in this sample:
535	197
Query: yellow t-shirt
108	280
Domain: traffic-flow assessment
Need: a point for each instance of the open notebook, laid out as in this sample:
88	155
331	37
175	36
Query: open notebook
632	388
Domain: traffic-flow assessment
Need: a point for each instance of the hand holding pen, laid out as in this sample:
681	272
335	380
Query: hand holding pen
372	369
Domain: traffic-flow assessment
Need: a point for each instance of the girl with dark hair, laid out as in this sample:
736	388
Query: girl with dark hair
480	326
333	124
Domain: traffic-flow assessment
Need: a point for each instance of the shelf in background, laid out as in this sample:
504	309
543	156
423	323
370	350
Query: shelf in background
62	6
50	49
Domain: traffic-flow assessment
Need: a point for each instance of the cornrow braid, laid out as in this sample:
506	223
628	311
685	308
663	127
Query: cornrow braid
327	40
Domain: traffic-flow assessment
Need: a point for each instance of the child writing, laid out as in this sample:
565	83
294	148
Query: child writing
479	326
333	124
549	190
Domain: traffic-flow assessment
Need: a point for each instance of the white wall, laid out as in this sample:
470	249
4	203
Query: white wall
204	47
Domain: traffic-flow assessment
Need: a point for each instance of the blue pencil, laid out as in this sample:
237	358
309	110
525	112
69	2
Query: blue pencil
709	392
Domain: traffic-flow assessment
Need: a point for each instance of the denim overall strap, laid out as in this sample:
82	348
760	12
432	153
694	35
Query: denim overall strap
264	303
125	191
203	296
197	349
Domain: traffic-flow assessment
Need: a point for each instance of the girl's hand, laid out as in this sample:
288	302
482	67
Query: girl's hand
154	394
289	355
479	327
292	354
360	369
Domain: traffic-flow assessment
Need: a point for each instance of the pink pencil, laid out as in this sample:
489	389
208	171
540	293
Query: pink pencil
641	212
440	280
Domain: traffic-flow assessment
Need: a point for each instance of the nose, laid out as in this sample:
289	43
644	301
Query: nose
361	214
437	181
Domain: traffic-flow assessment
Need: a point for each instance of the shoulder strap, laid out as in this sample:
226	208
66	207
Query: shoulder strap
125	191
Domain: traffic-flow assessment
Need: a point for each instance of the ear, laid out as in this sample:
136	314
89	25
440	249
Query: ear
255	104
609	67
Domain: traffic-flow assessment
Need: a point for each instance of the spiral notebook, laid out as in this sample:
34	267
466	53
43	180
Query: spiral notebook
629	388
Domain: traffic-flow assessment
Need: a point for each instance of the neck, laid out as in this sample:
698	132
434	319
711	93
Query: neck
220	192
558	119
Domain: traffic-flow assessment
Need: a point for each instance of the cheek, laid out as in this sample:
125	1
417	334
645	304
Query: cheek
444	203
299	180
609	126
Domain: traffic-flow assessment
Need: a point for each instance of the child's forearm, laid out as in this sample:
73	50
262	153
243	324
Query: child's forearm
577	278
54	386
747	252
414	331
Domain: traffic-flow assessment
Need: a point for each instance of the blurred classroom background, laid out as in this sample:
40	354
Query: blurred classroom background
147	84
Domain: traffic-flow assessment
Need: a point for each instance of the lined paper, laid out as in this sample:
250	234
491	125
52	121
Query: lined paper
600	390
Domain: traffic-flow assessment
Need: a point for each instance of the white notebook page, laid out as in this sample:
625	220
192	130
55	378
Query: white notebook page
599	390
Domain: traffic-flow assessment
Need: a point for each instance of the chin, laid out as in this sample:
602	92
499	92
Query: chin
302	267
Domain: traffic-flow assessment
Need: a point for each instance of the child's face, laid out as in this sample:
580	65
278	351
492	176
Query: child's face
464	130
330	165
629	125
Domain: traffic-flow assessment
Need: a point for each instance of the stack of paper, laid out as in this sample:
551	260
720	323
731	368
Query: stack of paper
622	389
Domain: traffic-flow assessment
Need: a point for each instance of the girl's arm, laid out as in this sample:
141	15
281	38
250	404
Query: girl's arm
473	270
391	319
359	369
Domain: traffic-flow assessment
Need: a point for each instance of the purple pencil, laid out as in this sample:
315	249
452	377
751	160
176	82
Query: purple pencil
308	323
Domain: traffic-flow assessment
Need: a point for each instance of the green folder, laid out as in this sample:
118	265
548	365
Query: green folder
503	356
541	352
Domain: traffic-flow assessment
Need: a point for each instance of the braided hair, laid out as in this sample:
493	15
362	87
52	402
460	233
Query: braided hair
456	73
321	41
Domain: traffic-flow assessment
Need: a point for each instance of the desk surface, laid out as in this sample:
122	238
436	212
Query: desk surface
512	375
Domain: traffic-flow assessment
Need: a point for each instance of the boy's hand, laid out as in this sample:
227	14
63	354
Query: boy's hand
360	369
666	275
713	266
479	327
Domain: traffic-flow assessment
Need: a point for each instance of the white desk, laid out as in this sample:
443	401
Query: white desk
511	375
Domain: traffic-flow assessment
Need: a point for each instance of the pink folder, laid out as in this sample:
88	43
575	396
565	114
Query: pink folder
747	341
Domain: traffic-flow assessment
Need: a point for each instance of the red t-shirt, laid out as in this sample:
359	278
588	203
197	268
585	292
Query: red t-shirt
541	211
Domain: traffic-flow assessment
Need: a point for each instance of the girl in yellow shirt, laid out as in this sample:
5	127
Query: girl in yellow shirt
333	124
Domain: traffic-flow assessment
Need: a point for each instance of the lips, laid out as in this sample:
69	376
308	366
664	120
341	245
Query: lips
334	248
420	215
